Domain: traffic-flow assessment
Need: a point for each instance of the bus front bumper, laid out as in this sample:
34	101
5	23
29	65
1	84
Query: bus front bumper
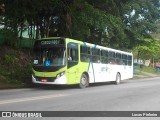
57	81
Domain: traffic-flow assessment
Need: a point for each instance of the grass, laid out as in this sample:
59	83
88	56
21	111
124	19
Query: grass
146	71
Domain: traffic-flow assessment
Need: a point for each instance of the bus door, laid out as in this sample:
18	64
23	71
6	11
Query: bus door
72	64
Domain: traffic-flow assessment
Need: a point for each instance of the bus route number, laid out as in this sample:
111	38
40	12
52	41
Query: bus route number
52	42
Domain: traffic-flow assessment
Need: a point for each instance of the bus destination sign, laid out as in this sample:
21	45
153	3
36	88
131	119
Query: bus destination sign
52	42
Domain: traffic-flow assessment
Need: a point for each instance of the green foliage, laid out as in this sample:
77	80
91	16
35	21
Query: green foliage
96	24
149	50
9	37
15	67
16	75
146	69
119	24
23	74
9	59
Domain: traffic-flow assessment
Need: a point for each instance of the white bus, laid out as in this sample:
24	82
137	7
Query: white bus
81	63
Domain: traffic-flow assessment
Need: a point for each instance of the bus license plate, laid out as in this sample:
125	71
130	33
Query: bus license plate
44	80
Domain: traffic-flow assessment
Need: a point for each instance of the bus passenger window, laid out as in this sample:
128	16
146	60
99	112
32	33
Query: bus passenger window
129	59
118	59
69	54
95	55
112	57
124	58
72	53
84	53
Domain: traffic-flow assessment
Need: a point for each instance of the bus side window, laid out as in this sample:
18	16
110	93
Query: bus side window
118	59
72	53
69	54
112	57
95	55
104	56
129	59
124	58
84	53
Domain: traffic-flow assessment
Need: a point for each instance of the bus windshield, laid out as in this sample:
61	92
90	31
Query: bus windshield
52	56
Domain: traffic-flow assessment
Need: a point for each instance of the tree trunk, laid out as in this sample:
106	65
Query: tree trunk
138	56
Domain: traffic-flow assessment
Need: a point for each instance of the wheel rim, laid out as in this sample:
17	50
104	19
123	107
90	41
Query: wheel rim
83	80
118	79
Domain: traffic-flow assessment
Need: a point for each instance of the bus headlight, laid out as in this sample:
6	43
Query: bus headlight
60	74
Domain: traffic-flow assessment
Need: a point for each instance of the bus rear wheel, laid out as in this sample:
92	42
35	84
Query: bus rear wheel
118	79
84	81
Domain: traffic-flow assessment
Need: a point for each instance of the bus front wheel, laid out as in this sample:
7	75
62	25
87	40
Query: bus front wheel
84	81
118	79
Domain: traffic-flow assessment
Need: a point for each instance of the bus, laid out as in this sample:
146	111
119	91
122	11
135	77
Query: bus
64	61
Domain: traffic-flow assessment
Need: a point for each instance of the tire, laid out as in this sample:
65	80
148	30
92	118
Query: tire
118	79
84	82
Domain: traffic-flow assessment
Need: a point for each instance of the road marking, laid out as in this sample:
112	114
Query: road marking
31	98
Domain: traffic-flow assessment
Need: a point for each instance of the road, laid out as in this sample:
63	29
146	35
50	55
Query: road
130	95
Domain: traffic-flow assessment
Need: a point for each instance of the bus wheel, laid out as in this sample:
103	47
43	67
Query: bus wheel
118	79
84	81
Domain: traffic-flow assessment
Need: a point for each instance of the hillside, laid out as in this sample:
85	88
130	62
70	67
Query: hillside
15	67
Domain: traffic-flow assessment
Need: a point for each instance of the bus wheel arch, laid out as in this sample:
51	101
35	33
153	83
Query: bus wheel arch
118	78
84	80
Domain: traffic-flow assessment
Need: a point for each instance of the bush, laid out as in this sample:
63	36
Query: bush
15	68
23	74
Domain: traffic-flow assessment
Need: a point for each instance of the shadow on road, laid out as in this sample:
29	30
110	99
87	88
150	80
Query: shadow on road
55	87
65	87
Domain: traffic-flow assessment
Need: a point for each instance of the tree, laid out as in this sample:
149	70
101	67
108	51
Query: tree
149	50
2	8
140	20
118	24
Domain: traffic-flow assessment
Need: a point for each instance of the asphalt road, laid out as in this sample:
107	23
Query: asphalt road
130	95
